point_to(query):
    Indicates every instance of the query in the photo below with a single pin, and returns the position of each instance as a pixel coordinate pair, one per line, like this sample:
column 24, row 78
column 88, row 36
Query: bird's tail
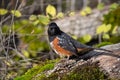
column 104, row 50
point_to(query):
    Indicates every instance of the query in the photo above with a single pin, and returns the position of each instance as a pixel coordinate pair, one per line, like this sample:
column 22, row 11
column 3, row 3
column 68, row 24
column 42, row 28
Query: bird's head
column 53, row 29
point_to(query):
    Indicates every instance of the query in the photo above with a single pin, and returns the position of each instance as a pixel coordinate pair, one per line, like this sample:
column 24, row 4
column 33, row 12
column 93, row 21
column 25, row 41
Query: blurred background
column 23, row 25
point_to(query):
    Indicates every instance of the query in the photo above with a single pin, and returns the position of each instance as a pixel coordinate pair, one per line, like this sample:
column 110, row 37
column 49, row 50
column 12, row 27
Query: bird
column 64, row 45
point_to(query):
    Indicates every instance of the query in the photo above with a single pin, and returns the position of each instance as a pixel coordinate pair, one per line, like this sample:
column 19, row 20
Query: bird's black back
column 71, row 44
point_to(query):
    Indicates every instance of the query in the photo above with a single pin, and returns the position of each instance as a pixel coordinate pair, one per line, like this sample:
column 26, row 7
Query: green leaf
column 60, row 15
column 114, row 6
column 23, row 22
column 114, row 31
column 87, row 38
column 106, row 36
column 103, row 44
column 3, row 11
column 100, row 29
column 36, row 22
column 100, row 6
column 85, row 11
column 43, row 19
column 107, row 28
column 88, row 10
column 16, row 13
column 103, row 28
column 33, row 17
column 25, row 53
column 50, row 11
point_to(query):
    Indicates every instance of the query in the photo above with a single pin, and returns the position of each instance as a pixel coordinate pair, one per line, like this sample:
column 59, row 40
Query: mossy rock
column 87, row 72
column 84, row 72
column 31, row 73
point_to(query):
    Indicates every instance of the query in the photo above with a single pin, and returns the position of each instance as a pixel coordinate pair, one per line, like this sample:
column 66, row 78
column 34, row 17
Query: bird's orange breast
column 58, row 49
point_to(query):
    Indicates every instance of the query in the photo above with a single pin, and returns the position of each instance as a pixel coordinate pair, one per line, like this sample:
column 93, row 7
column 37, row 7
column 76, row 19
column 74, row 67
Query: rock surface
column 81, row 25
column 109, row 63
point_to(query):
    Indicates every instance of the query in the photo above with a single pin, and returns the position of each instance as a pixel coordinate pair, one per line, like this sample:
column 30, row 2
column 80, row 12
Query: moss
column 87, row 72
column 31, row 73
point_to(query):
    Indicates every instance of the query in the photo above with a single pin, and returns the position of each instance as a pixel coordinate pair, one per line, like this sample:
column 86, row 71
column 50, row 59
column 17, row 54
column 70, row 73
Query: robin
column 64, row 45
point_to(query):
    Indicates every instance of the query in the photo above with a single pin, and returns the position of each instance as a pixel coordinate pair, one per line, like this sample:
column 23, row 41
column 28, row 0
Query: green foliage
column 33, row 17
column 107, row 40
column 103, row 28
column 100, row 6
column 43, row 19
column 108, row 29
column 106, row 36
column 51, row 11
column 25, row 53
column 113, row 17
column 114, row 6
column 86, row 38
column 16, row 13
column 31, row 34
column 86, row 11
column 31, row 73
column 115, row 39
column 103, row 44
column 39, row 19
column 60, row 15
column 114, row 31
column 3, row 11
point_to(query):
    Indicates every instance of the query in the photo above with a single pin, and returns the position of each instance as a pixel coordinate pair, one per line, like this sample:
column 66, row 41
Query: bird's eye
column 51, row 28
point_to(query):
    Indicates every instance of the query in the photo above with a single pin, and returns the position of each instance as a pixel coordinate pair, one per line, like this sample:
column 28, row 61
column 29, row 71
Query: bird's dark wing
column 65, row 43
column 73, row 45
column 81, row 48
